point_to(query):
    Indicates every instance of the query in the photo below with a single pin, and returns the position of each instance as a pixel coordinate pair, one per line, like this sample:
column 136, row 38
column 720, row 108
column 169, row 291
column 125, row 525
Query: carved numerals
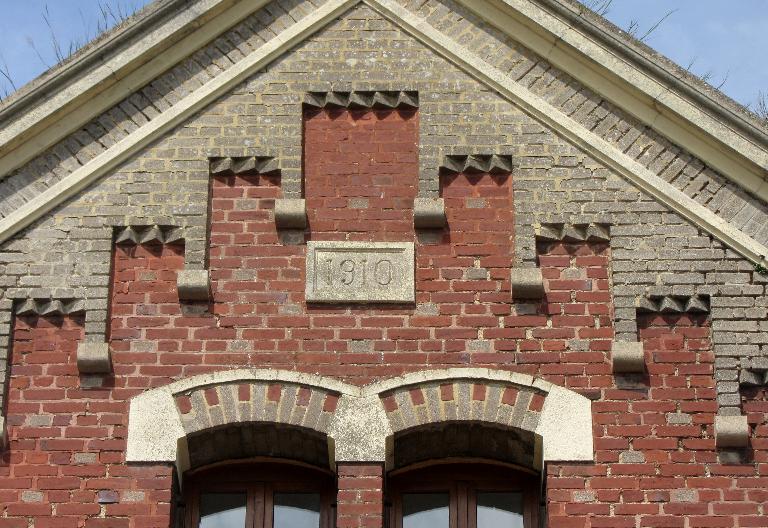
column 360, row 272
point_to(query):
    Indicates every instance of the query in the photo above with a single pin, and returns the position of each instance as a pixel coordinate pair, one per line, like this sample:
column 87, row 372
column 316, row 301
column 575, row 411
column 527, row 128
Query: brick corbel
column 193, row 284
column 754, row 372
column 50, row 306
column 673, row 304
column 476, row 163
column 290, row 211
column 364, row 99
column 577, row 232
column 93, row 357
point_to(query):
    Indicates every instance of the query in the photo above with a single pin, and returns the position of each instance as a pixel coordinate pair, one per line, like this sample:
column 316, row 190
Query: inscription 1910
column 364, row 272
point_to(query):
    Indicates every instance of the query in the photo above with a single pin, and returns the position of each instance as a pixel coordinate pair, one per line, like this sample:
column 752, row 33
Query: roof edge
column 651, row 61
column 84, row 58
column 569, row 42
column 108, row 72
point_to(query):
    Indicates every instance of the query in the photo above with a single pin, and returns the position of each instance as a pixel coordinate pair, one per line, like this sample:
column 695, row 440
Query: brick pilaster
column 360, row 500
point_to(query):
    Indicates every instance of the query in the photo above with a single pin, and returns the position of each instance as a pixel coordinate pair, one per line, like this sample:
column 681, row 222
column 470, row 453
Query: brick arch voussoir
column 559, row 418
column 479, row 401
column 280, row 402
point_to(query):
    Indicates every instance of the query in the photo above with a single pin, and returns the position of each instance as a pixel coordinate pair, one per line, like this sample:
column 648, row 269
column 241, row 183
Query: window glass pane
column 499, row 510
column 426, row 510
column 297, row 510
column 222, row 510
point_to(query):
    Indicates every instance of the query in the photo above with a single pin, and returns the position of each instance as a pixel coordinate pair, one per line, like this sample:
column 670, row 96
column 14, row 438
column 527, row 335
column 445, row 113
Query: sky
column 713, row 36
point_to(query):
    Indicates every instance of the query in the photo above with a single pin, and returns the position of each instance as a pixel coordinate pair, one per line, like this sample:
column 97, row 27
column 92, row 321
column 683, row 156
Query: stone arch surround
column 360, row 423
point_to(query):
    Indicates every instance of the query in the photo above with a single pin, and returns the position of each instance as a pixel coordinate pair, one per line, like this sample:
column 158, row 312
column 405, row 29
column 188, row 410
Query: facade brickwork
column 608, row 254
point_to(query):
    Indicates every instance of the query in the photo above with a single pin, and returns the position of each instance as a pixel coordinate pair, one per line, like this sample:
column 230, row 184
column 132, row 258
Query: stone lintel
column 94, row 358
column 628, row 357
column 193, row 285
column 291, row 213
column 731, row 431
column 527, row 283
column 429, row 213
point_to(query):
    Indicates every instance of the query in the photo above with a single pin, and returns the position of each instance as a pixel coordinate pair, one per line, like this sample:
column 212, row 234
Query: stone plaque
column 360, row 272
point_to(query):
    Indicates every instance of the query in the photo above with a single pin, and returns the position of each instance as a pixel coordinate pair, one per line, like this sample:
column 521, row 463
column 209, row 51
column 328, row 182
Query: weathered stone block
column 291, row 213
column 3, row 434
column 731, row 431
column 628, row 357
column 527, row 283
column 429, row 213
column 193, row 285
column 360, row 272
column 94, row 358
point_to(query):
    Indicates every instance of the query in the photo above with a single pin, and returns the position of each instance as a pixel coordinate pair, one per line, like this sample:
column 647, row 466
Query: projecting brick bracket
column 291, row 213
column 577, row 232
column 527, row 284
column 731, row 431
column 193, row 285
column 673, row 304
column 94, row 358
column 628, row 357
column 476, row 163
column 429, row 213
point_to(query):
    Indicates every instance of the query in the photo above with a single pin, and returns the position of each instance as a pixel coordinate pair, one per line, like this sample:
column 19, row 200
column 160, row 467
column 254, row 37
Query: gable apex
column 446, row 47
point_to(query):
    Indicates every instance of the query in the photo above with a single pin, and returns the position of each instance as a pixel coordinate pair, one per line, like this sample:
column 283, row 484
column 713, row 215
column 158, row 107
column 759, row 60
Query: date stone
column 360, row 272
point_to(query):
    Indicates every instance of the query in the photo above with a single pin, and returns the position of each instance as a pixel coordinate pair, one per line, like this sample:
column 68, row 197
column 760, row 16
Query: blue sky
column 718, row 37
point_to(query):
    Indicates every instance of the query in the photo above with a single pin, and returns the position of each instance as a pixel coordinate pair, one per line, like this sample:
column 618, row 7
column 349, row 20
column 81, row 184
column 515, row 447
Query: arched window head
column 259, row 495
column 463, row 495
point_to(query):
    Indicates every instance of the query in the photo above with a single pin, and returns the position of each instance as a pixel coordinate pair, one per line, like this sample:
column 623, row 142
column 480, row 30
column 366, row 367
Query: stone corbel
column 429, row 213
column 731, row 431
column 193, row 285
column 291, row 213
column 94, row 358
column 3, row 434
column 527, row 284
column 628, row 357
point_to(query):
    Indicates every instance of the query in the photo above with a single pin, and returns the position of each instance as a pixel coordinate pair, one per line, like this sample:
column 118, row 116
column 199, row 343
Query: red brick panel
column 149, row 339
column 656, row 463
column 361, row 174
column 65, row 464
column 360, row 499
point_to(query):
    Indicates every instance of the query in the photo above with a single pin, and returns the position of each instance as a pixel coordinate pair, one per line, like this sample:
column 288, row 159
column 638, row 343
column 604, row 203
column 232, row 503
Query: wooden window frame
column 462, row 482
column 260, row 482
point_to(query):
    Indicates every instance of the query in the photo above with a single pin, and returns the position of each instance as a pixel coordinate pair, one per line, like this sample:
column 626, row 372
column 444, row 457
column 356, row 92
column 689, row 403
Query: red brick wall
column 65, row 465
column 464, row 318
column 360, row 501
column 361, row 172
column 672, row 477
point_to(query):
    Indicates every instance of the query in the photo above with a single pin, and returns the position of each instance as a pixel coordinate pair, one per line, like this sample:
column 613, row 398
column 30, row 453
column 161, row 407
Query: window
column 260, row 496
column 463, row 496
